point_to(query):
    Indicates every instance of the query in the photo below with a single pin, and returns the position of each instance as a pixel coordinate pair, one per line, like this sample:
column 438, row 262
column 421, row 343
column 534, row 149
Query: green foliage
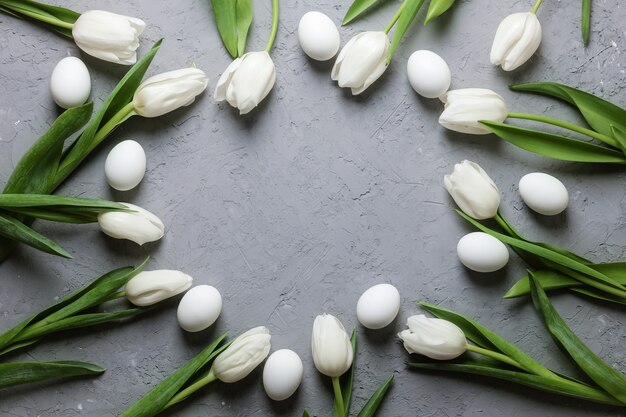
column 233, row 19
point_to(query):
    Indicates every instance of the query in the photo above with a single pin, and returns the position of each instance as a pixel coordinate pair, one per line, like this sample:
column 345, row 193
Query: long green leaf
column 586, row 21
column 46, row 200
column 620, row 137
column 554, row 146
column 599, row 114
column 27, row 8
column 436, row 8
column 599, row 371
column 233, row 18
column 244, row 19
column 598, row 295
column 13, row 229
column 17, row 373
column 155, row 400
column 409, row 12
column 358, row 8
column 374, row 402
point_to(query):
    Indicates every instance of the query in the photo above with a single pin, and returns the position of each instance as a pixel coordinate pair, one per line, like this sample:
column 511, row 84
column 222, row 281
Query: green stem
column 395, row 17
column 495, row 355
column 338, row 395
column 270, row 41
column 210, row 377
column 536, row 6
column 566, row 125
column 46, row 19
column 592, row 282
column 504, row 224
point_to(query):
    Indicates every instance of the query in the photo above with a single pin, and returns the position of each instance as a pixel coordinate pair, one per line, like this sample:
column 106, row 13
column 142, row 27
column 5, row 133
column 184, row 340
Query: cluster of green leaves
column 347, row 381
column 72, row 312
column 56, row 18
column 606, row 120
column 604, row 385
column 233, row 19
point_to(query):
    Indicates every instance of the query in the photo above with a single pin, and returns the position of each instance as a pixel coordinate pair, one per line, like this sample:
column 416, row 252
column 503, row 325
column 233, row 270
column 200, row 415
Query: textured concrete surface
column 298, row 208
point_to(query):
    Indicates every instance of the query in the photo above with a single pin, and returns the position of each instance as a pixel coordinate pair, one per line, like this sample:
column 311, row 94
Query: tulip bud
column 169, row 91
column 438, row 339
column 465, row 107
column 516, row 40
column 150, row 287
column 246, row 81
column 108, row 36
column 243, row 355
column 362, row 61
column 331, row 346
column 473, row 191
column 138, row 225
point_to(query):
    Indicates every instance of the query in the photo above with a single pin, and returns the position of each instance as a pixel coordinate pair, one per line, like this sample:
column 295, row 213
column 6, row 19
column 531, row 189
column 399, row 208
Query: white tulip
column 465, row 107
column 169, row 91
column 108, row 36
column 150, row 287
column 246, row 81
column 362, row 61
column 331, row 346
column 243, row 355
column 138, row 225
column 473, row 190
column 438, row 339
column 516, row 40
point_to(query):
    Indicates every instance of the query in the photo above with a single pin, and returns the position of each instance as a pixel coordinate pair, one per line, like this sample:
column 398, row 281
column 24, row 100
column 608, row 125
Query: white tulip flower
column 150, row 287
column 464, row 109
column 438, row 339
column 331, row 346
column 138, row 225
column 516, row 40
column 473, row 190
column 243, row 355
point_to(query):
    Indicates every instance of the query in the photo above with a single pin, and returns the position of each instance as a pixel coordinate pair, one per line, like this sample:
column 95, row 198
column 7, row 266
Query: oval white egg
column 70, row 83
column 543, row 193
column 199, row 308
column 428, row 74
column 282, row 374
column 378, row 306
column 125, row 165
column 481, row 252
column 318, row 36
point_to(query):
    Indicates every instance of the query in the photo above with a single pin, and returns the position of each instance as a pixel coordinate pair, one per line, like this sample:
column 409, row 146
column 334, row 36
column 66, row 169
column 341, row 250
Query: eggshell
column 481, row 252
column 70, row 83
column 282, row 374
column 428, row 74
column 543, row 193
column 318, row 36
column 199, row 308
column 378, row 306
column 125, row 165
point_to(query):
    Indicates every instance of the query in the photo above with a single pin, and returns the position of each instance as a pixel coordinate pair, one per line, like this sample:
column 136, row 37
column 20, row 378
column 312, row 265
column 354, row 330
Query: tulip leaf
column 436, row 8
column 346, row 382
column 244, row 20
column 358, row 8
column 586, row 21
column 599, row 371
column 374, row 402
column 153, row 402
column 408, row 14
column 17, row 373
column 43, row 13
column 233, row 19
column 554, row 146
column 13, row 229
column 598, row 295
column 620, row 137
column 306, row 414
column 599, row 114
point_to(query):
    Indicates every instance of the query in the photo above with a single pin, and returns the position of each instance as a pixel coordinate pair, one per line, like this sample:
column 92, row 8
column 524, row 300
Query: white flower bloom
column 243, row 355
column 140, row 225
column 438, row 339
column 516, row 40
column 150, row 287
column 465, row 107
column 108, row 36
column 473, row 190
column 331, row 346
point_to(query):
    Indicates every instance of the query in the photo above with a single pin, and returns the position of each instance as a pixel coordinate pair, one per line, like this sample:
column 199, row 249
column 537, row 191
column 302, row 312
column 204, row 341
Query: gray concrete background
column 296, row 209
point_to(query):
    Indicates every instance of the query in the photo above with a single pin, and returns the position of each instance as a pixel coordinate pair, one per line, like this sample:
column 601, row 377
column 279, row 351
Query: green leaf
column 599, row 295
column 347, row 381
column 487, row 339
column 13, row 229
column 599, row 371
column 233, row 18
column 358, row 8
column 436, row 8
column 17, row 346
column 586, row 21
column 374, row 402
column 26, row 372
column 244, row 19
column 554, row 146
column 306, row 414
column 155, row 400
column 409, row 12
column 620, row 137
column 43, row 13
column 599, row 114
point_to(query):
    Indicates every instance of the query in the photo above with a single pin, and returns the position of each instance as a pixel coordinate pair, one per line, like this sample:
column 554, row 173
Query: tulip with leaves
column 333, row 355
column 478, row 197
column 447, row 338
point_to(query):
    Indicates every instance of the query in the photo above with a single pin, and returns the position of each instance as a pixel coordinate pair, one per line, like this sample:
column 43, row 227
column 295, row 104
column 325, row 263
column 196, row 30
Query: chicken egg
column 199, row 308
column 282, row 374
column 70, row 83
column 428, row 74
column 481, row 252
column 125, row 165
column 543, row 193
column 378, row 306
column 318, row 36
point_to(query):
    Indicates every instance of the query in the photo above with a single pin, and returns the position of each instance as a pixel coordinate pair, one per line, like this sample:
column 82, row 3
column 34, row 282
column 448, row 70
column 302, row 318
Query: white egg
column 318, row 36
column 428, row 73
column 282, row 374
column 199, row 308
column 481, row 252
column 543, row 193
column 70, row 83
column 378, row 306
column 125, row 165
